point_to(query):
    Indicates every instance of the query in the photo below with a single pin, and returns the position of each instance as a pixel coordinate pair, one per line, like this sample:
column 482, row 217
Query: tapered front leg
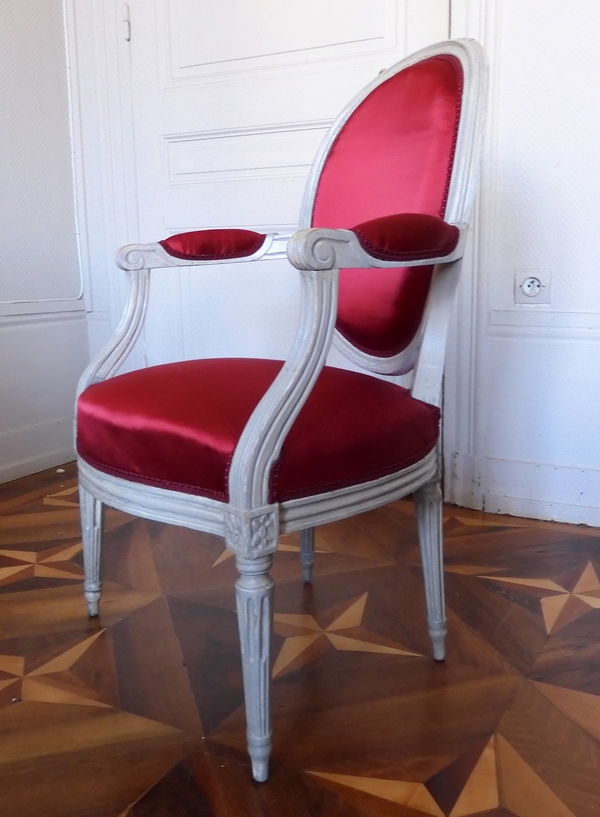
column 92, row 518
column 307, row 553
column 428, row 501
column 254, row 590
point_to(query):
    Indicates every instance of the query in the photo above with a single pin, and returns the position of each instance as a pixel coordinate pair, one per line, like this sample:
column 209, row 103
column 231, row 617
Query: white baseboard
column 26, row 451
column 532, row 490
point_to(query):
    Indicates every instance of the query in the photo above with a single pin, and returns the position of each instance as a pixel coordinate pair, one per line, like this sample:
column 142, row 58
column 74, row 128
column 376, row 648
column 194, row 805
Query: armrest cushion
column 213, row 245
column 407, row 237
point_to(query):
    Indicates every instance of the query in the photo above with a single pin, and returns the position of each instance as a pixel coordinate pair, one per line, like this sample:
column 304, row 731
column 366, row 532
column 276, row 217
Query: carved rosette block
column 92, row 517
column 254, row 590
column 250, row 534
column 428, row 501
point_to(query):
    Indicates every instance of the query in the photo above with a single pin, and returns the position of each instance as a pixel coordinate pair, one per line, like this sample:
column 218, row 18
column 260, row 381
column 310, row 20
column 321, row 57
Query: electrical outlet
column 532, row 286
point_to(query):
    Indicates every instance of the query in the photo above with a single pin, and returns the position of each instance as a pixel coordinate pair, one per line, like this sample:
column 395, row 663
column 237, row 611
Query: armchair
column 248, row 449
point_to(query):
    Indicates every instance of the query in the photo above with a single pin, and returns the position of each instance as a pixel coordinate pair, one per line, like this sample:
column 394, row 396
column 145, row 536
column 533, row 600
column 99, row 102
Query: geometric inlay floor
column 139, row 713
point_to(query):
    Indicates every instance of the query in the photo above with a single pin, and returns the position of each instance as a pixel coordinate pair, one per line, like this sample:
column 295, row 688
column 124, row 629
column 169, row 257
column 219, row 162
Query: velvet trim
column 407, row 237
column 213, row 245
column 176, row 426
column 393, row 155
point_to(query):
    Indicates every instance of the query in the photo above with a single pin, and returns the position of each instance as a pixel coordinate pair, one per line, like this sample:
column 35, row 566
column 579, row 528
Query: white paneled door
column 230, row 102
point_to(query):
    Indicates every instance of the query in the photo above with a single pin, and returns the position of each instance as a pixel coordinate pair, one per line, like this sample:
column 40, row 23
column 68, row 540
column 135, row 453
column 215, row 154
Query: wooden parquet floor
column 139, row 713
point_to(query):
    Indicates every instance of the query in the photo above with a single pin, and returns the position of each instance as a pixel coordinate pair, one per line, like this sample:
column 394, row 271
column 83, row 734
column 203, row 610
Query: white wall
column 43, row 339
column 523, row 435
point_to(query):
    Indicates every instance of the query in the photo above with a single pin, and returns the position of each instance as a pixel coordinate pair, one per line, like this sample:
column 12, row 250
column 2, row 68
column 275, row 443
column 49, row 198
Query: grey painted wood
column 92, row 518
column 307, row 553
column 428, row 502
column 254, row 594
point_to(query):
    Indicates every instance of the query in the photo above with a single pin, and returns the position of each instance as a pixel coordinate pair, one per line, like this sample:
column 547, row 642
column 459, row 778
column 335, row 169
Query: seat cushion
column 176, row 426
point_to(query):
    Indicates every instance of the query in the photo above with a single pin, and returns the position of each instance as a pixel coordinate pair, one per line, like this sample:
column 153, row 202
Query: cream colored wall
column 43, row 339
column 523, row 430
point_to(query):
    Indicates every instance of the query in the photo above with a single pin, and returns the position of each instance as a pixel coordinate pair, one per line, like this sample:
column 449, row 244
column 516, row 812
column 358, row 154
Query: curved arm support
column 106, row 364
column 137, row 260
column 261, row 440
column 319, row 249
column 429, row 368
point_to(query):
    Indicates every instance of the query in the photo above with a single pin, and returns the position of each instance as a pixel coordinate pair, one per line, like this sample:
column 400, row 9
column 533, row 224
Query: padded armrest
column 404, row 239
column 407, row 237
column 214, row 245
column 199, row 247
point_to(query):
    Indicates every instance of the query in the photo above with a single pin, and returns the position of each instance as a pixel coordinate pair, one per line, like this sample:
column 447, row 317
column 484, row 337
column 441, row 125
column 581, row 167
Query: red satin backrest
column 393, row 155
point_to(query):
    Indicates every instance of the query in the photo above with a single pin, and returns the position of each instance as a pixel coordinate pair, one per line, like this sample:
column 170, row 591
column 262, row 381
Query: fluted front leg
column 92, row 517
column 428, row 501
column 254, row 590
column 307, row 553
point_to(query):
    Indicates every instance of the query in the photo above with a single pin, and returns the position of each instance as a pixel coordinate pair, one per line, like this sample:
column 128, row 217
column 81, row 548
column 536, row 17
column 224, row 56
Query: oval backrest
column 393, row 153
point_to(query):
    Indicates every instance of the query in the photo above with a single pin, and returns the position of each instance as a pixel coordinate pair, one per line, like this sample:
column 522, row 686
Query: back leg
column 428, row 501
column 307, row 553
column 92, row 518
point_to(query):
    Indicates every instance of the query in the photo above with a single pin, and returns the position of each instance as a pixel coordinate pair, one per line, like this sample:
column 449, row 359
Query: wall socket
column 532, row 286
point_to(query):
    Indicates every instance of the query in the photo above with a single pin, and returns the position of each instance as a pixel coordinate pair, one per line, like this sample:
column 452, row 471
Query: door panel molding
column 295, row 33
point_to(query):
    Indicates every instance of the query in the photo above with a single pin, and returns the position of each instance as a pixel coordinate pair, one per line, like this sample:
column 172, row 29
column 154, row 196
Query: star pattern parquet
column 140, row 712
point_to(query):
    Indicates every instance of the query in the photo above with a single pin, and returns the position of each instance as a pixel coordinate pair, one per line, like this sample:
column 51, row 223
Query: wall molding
column 282, row 127
column 57, row 306
column 529, row 318
column 353, row 47
column 471, row 18
column 274, row 151
column 25, row 451
column 563, row 493
column 99, row 62
column 37, row 318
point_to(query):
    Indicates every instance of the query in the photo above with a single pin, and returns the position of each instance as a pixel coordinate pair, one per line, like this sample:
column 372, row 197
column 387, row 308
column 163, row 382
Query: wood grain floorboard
column 140, row 713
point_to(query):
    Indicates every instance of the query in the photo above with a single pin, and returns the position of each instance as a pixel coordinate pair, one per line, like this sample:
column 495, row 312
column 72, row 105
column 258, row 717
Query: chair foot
column 92, row 595
column 259, row 755
column 437, row 633
column 307, row 553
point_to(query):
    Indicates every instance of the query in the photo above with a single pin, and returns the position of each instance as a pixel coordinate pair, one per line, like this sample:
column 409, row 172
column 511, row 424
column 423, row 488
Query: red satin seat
column 176, row 426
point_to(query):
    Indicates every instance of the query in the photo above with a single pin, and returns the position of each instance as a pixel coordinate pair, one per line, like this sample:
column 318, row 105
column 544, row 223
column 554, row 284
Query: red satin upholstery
column 394, row 155
column 176, row 426
column 213, row 245
column 407, row 237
